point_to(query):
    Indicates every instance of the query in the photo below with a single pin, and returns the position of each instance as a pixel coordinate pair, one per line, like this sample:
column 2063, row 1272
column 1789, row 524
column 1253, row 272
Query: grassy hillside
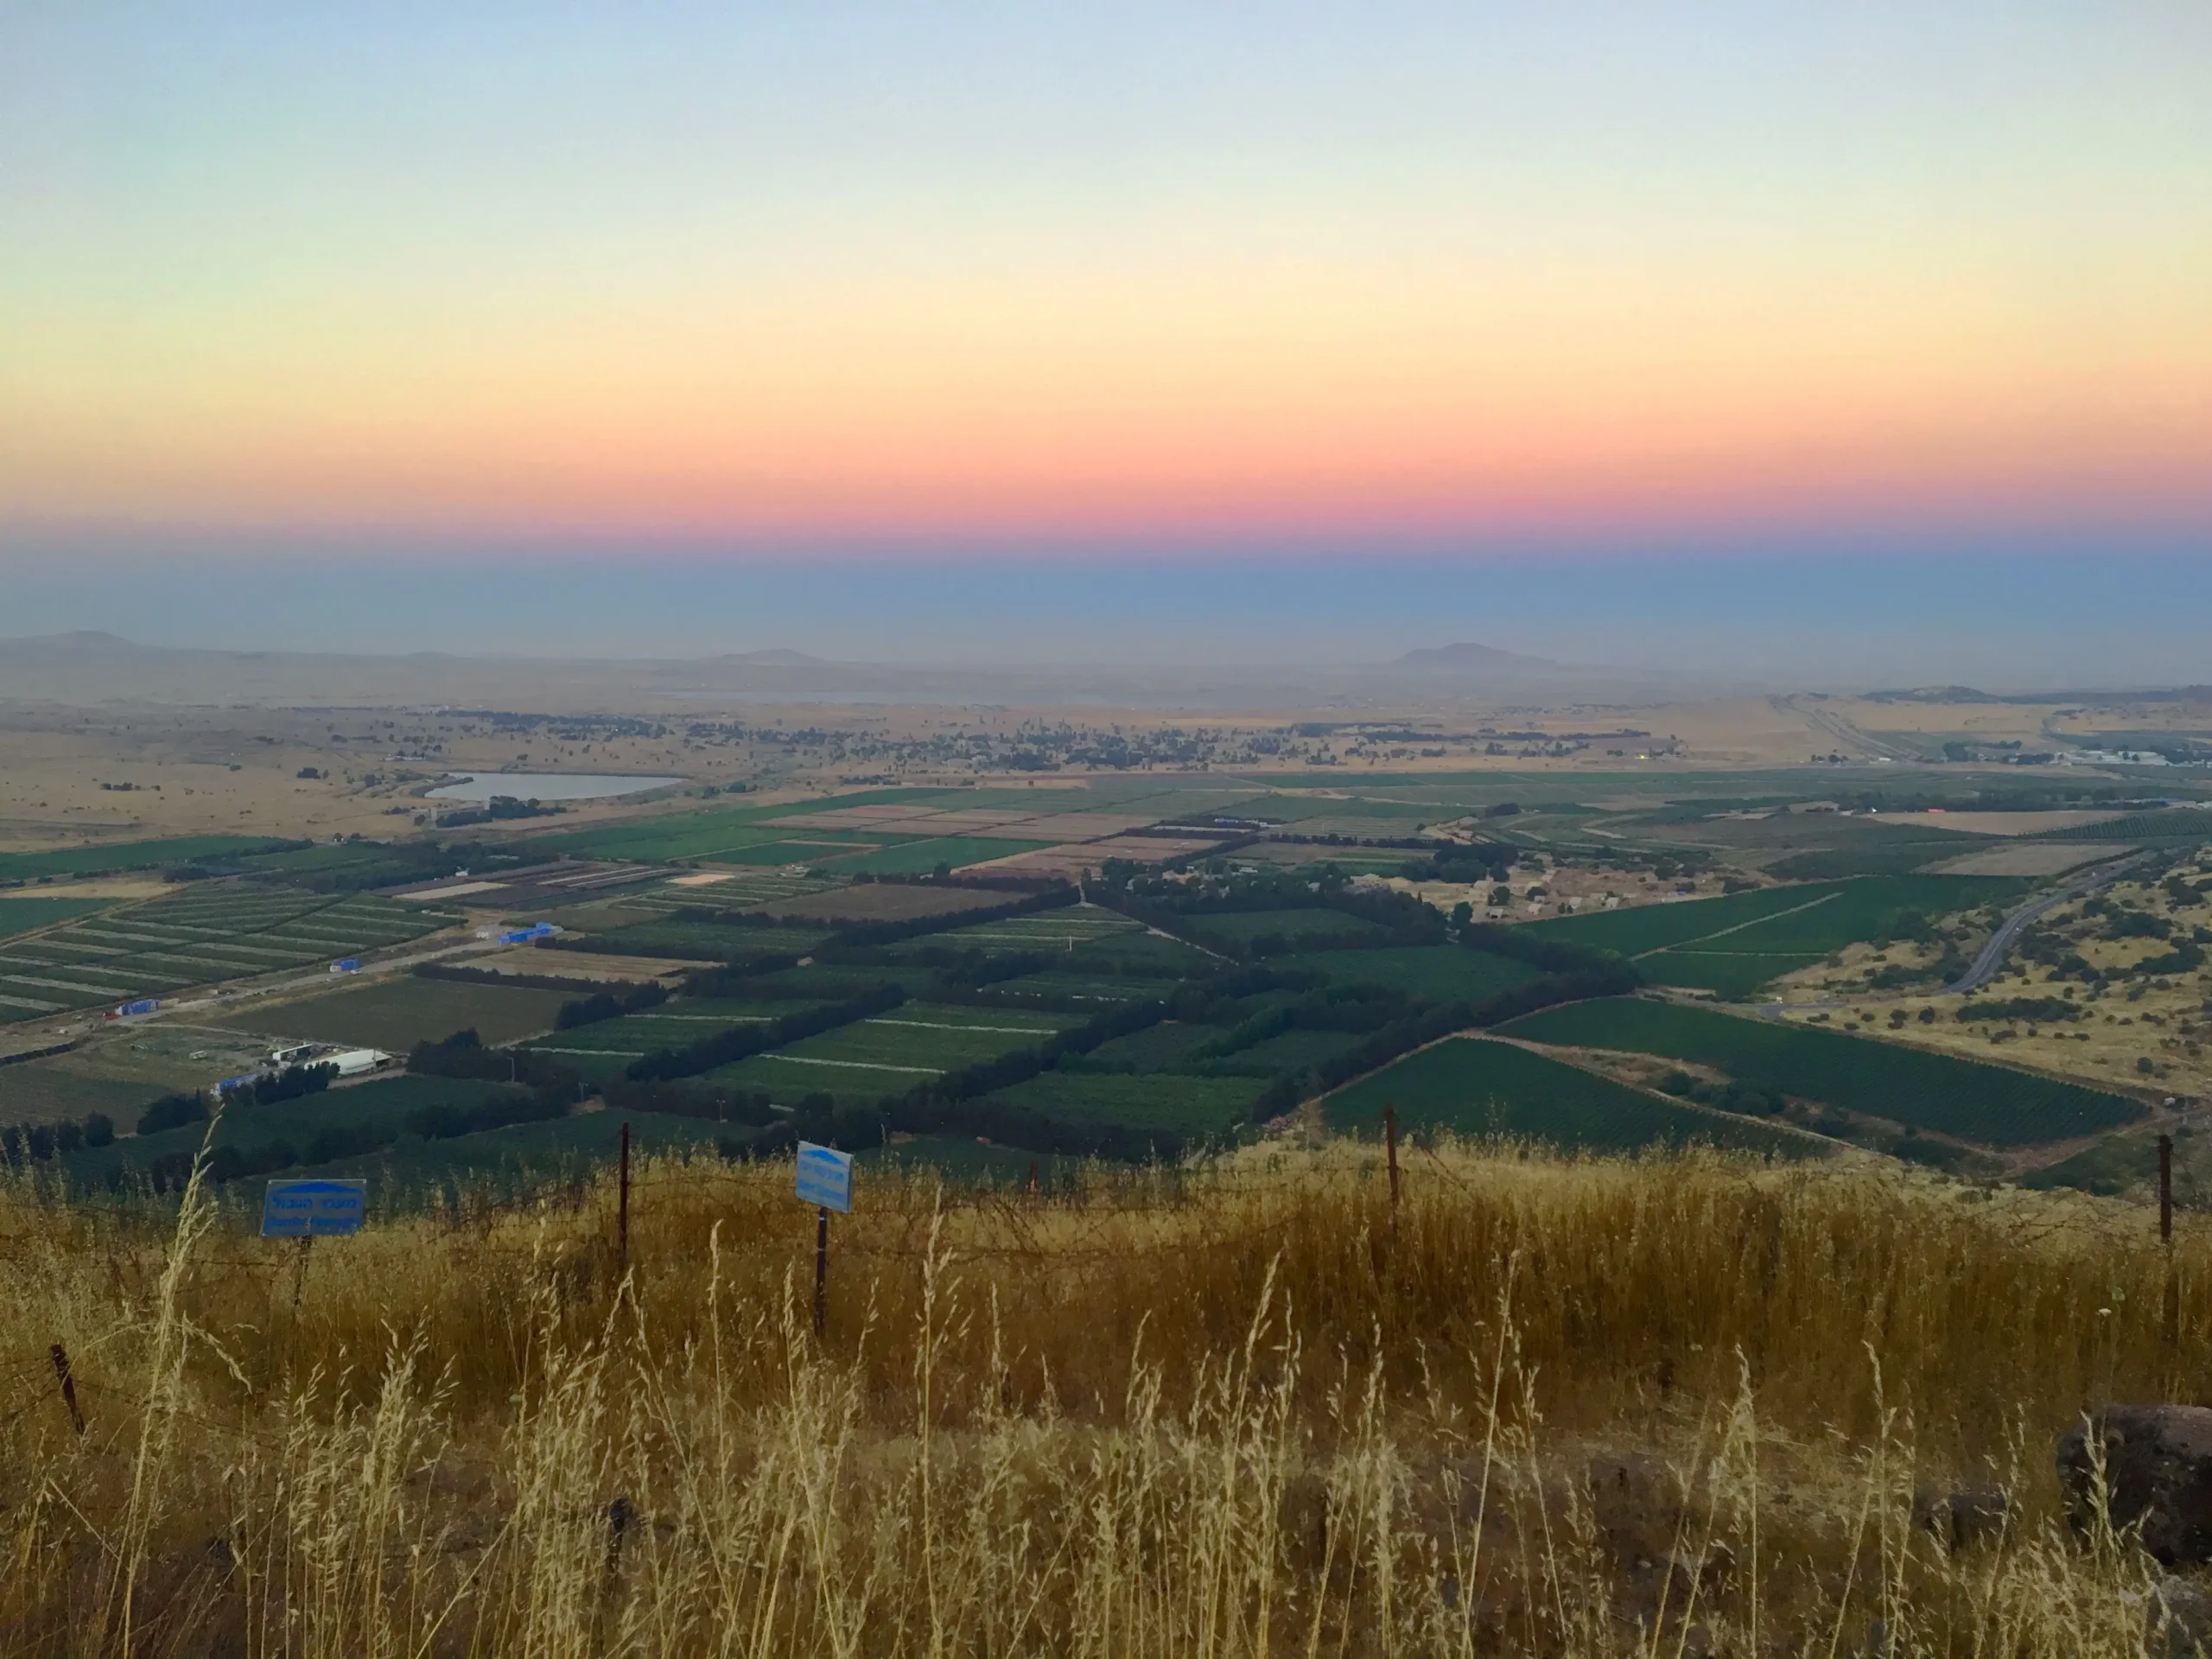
column 1535, row 1406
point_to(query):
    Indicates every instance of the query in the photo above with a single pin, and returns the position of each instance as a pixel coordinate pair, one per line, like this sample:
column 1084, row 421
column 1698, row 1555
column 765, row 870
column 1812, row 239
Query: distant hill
column 96, row 667
column 1934, row 694
column 1468, row 660
column 773, row 658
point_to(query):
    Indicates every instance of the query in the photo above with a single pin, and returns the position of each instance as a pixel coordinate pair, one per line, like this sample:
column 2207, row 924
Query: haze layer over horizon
column 1039, row 279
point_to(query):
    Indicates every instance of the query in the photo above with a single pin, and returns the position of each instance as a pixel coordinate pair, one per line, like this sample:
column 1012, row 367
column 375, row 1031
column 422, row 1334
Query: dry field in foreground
column 1673, row 1406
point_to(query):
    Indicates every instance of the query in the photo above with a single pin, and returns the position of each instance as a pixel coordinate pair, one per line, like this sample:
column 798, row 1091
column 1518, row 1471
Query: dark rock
column 2157, row 1462
column 2181, row 1619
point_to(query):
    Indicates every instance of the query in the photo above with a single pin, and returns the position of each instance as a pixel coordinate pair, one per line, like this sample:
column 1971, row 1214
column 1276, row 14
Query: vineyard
column 1475, row 1087
column 1992, row 1105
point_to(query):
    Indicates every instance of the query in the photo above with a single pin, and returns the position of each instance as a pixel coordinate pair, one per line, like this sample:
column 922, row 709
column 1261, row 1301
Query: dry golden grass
column 1671, row 1406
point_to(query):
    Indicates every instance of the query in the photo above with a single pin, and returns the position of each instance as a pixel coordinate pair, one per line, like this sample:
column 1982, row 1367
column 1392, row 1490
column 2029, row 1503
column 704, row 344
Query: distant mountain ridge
column 94, row 667
column 1467, row 657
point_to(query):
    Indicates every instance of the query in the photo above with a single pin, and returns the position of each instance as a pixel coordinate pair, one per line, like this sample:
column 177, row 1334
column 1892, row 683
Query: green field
column 1993, row 1105
column 1472, row 1086
column 2110, row 1168
column 19, row 915
column 705, row 940
column 128, row 855
column 379, row 1105
column 396, row 1011
column 1045, row 930
column 710, row 834
column 961, row 1159
column 1087, row 988
column 1164, row 1047
column 1172, row 1102
column 606, row 1048
column 1241, row 927
column 892, row 1052
column 2180, row 824
column 743, row 889
column 1136, row 954
column 1287, row 1052
column 200, row 939
column 520, row 1153
column 49, row 1092
column 1441, row 973
column 1644, row 928
column 920, row 857
column 1732, row 975
column 1734, row 945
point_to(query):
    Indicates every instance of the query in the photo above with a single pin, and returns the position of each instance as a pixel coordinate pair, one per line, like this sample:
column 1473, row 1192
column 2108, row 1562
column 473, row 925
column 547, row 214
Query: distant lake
column 481, row 786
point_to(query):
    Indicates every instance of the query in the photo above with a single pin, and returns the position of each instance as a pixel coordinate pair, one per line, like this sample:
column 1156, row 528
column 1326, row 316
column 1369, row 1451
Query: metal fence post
column 821, row 1268
column 622, row 1210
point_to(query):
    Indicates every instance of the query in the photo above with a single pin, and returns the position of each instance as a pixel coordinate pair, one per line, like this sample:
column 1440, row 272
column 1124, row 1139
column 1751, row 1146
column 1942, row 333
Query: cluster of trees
column 609, row 1005
column 292, row 1082
column 2050, row 948
column 1181, row 912
column 23, row 1143
column 2031, row 1010
column 1730, row 1096
column 498, row 809
column 742, row 1042
column 460, row 975
column 463, row 1055
column 1470, row 863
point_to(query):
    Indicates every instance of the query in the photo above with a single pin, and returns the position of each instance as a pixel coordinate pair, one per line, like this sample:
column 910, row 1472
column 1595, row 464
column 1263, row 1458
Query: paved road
column 1990, row 960
column 1835, row 727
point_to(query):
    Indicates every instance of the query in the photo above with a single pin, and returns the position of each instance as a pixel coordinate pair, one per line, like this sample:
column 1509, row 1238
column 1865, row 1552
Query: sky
column 761, row 325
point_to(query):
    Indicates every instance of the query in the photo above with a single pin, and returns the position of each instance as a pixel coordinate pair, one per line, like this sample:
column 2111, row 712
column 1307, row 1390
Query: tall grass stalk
column 1662, row 1408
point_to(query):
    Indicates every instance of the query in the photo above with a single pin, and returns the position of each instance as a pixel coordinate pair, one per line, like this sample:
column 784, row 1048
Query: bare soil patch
column 584, row 964
column 2002, row 824
column 2028, row 858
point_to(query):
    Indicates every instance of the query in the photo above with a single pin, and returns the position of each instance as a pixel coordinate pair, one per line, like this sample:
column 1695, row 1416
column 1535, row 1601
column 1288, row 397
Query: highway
column 1846, row 735
column 1991, row 960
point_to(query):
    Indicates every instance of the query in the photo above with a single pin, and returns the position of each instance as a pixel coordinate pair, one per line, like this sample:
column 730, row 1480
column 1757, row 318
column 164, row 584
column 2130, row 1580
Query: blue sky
column 1870, row 337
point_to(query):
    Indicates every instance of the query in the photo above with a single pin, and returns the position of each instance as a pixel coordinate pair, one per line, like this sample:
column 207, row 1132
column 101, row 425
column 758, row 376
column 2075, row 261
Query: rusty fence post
column 2166, row 1188
column 68, row 1385
column 821, row 1268
column 622, row 1208
column 1391, row 1147
column 2172, row 1330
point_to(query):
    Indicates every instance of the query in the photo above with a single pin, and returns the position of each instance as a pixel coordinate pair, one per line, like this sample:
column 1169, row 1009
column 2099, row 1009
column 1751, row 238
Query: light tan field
column 2002, row 824
column 2026, row 858
column 586, row 965
column 1988, row 722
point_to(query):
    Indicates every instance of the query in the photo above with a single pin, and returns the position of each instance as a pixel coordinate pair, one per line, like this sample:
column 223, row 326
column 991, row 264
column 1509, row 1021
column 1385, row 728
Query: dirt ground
column 2024, row 858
